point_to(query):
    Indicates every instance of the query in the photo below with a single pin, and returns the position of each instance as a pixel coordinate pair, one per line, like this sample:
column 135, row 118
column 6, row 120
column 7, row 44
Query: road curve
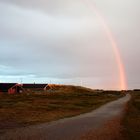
column 70, row 128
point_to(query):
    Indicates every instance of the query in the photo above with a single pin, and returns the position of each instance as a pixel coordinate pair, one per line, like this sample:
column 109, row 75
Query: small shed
column 10, row 88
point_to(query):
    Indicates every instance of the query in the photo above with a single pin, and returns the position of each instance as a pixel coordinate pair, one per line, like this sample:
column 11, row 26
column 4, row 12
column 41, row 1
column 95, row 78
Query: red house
column 10, row 88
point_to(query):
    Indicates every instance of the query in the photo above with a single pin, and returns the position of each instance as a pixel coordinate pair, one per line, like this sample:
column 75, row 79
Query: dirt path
column 70, row 128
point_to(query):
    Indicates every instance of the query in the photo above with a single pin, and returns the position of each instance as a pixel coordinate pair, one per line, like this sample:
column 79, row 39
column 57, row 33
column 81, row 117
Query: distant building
column 10, row 88
column 13, row 88
column 35, row 87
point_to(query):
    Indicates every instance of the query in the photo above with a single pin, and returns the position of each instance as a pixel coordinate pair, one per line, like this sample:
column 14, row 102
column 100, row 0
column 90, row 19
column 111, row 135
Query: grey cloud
column 64, row 40
column 71, row 8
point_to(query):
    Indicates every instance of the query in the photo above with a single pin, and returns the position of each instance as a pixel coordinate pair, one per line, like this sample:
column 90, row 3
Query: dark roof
column 5, row 86
column 30, row 86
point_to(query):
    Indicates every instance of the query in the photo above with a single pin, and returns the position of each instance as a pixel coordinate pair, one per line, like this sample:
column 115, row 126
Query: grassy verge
column 65, row 101
column 131, row 121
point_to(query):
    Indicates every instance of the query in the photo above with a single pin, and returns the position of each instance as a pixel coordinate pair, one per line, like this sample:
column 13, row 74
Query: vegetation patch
column 62, row 101
column 131, row 121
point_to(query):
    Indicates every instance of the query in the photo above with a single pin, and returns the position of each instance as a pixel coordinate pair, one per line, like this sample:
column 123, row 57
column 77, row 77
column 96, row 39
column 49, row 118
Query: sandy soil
column 74, row 128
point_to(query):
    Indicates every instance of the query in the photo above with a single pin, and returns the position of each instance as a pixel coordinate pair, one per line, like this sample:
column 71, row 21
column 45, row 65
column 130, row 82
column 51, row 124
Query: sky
column 63, row 42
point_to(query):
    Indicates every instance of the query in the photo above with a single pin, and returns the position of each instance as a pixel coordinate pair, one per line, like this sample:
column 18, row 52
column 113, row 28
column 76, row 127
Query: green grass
column 60, row 102
column 131, row 121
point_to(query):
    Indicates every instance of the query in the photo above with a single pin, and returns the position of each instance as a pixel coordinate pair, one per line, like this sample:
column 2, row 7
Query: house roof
column 5, row 86
column 30, row 86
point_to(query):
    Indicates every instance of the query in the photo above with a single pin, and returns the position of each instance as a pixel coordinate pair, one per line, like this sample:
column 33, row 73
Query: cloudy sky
column 62, row 41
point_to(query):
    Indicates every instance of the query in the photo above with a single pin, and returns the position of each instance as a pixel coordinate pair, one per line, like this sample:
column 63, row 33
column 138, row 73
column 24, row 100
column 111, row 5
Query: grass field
column 131, row 121
column 62, row 101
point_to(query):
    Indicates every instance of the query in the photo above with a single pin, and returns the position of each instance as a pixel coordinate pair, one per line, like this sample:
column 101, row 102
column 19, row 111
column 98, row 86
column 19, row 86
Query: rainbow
column 113, row 42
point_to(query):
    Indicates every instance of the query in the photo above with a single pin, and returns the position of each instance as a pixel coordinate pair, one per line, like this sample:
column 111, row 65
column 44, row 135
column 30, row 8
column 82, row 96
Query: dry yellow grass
column 131, row 120
column 60, row 102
